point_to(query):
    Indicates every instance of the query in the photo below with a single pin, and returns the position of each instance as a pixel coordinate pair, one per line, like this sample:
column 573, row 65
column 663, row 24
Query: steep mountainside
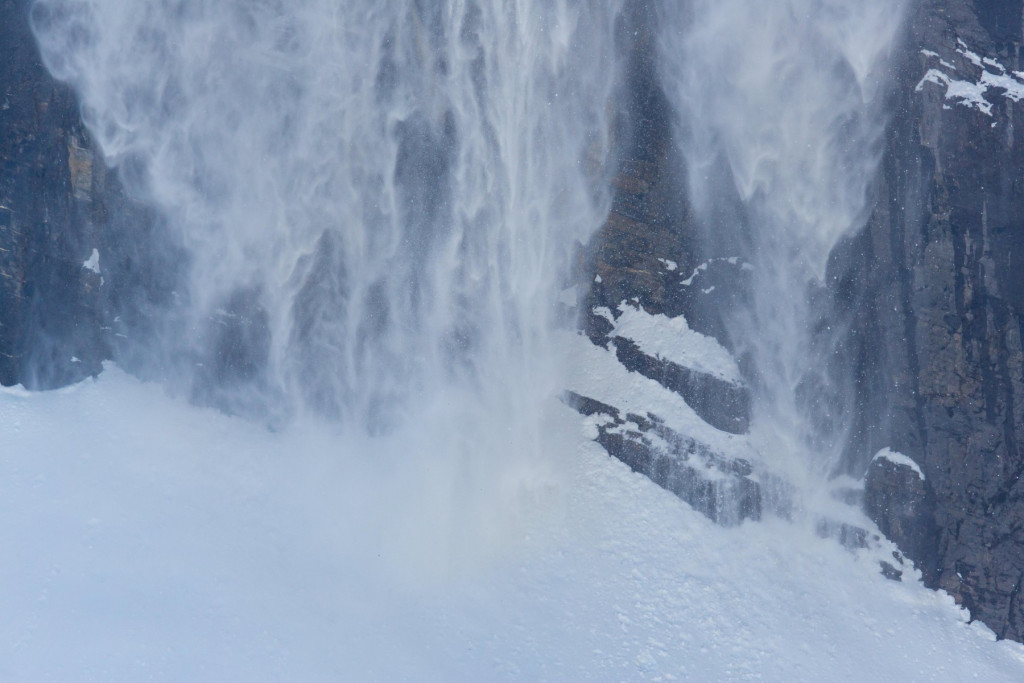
column 932, row 291
column 937, row 286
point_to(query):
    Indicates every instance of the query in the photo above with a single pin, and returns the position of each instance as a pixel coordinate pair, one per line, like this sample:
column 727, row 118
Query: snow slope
column 146, row 539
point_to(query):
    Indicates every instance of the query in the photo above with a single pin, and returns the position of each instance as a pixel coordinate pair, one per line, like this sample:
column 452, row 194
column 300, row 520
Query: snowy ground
column 144, row 539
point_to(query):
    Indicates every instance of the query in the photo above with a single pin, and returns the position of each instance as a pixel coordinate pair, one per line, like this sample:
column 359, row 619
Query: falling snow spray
column 780, row 111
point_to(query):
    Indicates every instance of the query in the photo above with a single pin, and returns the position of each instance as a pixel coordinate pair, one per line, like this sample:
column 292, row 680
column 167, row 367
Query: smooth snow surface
column 145, row 539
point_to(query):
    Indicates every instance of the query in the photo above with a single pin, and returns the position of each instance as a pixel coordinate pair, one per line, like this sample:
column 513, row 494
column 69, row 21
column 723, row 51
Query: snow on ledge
column 898, row 459
column 672, row 339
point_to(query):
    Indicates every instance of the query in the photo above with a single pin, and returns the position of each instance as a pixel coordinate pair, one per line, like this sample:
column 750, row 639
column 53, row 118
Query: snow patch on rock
column 971, row 92
column 898, row 459
column 597, row 373
column 731, row 260
column 672, row 339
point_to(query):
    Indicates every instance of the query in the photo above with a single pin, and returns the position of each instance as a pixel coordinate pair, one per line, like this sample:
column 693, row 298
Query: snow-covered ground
column 146, row 539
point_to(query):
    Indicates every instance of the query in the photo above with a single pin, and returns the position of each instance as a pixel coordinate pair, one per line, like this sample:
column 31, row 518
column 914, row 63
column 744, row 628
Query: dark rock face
column 644, row 257
column 938, row 322
column 890, row 572
column 646, row 228
column 932, row 290
column 58, row 203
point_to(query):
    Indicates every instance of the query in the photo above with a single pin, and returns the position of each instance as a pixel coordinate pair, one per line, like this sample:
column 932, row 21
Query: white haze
column 379, row 197
column 780, row 111
column 380, row 200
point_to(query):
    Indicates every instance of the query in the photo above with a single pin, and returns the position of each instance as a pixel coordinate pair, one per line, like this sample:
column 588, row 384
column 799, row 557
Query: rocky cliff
column 47, row 182
column 931, row 292
column 81, row 262
column 937, row 286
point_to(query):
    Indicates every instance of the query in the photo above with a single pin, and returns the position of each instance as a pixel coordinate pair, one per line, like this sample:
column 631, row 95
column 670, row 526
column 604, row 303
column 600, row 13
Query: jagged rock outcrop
column 932, row 291
column 936, row 287
column 723, row 405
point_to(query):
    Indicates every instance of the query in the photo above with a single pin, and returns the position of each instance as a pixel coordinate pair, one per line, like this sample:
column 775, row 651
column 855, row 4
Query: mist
column 378, row 201
column 780, row 116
